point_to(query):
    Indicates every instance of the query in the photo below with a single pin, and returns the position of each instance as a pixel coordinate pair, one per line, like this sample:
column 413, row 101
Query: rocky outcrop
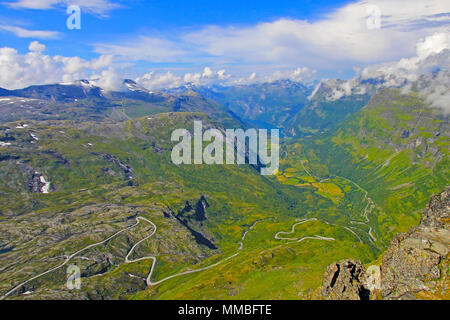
column 126, row 170
column 343, row 280
column 415, row 260
column 197, row 212
column 414, row 266
column 437, row 213
column 192, row 218
column 200, row 209
column 37, row 183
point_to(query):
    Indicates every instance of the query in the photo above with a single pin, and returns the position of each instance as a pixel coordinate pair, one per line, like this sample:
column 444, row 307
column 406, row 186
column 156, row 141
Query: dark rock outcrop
column 192, row 217
column 343, row 280
column 200, row 209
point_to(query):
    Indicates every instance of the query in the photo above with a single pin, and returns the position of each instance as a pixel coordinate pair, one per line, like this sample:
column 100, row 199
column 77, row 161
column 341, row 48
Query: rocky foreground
column 415, row 266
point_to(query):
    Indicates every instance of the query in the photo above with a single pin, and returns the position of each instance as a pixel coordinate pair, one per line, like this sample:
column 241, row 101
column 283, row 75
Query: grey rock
column 437, row 211
column 344, row 281
column 413, row 260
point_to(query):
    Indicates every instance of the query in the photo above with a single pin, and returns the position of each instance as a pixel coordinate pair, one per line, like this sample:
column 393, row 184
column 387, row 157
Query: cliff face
column 414, row 266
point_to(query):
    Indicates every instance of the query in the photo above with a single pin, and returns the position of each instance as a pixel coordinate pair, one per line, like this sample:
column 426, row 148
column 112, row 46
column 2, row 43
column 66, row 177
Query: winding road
column 149, row 282
column 315, row 237
column 68, row 258
column 367, row 210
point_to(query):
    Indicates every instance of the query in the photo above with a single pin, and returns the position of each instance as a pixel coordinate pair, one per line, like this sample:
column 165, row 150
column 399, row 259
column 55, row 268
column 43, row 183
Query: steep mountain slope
column 68, row 186
column 414, row 266
column 102, row 192
column 330, row 103
column 76, row 192
column 393, row 152
column 333, row 101
column 378, row 169
column 268, row 104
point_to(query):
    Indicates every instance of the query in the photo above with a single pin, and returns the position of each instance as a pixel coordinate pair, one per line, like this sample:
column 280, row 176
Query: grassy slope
column 85, row 185
column 368, row 149
column 396, row 148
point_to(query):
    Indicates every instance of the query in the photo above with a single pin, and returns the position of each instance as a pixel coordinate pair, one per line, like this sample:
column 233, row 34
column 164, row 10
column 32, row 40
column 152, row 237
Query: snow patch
column 315, row 91
column 46, row 185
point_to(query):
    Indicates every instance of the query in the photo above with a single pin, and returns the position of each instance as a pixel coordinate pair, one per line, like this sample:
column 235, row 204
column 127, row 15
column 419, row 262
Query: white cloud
column 20, row 70
column 252, row 53
column 74, row 65
column 152, row 80
column 144, row 48
column 428, row 72
column 340, row 37
column 207, row 72
column 437, row 93
column 410, row 69
column 32, row 4
column 25, row 33
column 299, row 74
column 433, row 44
column 36, row 46
column 109, row 79
column 208, row 76
column 100, row 7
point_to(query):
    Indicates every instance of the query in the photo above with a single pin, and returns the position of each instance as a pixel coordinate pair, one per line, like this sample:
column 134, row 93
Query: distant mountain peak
column 133, row 86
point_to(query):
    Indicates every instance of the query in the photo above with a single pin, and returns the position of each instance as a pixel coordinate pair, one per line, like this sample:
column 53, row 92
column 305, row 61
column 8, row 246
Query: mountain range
column 88, row 181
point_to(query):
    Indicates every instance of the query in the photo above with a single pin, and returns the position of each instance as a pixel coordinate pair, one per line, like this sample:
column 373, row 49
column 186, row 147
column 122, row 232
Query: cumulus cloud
column 299, row 75
column 433, row 44
column 437, row 93
column 109, row 79
column 341, row 36
column 25, row 33
column 36, row 46
column 153, row 80
column 20, row 70
column 428, row 58
column 208, row 76
column 428, row 72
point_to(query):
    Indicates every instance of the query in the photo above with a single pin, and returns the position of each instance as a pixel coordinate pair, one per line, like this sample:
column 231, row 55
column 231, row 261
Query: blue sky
column 135, row 17
column 270, row 39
